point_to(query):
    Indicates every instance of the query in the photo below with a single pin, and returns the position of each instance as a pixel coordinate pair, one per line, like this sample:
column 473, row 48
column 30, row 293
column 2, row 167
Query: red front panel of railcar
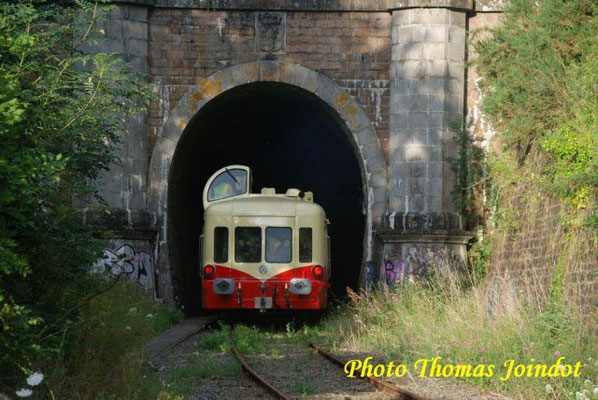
column 252, row 288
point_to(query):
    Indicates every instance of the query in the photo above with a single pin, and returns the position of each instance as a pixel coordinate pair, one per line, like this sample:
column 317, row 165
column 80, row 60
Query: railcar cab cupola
column 230, row 181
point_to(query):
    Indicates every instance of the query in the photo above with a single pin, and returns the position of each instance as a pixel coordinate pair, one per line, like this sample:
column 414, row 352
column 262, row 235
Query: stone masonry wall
column 124, row 186
column 404, row 64
column 410, row 51
column 527, row 255
column 477, row 125
column 352, row 48
column 427, row 73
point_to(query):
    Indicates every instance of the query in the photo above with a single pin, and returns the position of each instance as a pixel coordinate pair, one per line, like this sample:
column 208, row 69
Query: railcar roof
column 264, row 205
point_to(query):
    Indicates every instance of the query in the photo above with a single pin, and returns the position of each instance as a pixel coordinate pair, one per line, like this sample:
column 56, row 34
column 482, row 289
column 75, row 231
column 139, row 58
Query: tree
column 61, row 115
column 539, row 81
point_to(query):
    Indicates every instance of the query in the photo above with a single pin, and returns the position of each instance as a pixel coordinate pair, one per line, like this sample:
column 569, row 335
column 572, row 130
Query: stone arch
column 360, row 132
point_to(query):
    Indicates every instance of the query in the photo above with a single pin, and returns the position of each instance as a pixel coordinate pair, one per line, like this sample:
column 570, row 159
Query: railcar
column 262, row 250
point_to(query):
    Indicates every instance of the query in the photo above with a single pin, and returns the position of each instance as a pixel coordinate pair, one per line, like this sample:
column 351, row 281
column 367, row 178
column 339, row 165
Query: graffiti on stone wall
column 420, row 262
column 394, row 271
column 370, row 273
column 133, row 262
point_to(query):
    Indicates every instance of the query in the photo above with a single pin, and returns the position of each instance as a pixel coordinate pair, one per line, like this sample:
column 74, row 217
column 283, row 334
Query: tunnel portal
column 290, row 139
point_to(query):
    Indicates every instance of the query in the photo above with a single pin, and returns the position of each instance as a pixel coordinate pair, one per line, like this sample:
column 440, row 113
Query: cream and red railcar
column 262, row 250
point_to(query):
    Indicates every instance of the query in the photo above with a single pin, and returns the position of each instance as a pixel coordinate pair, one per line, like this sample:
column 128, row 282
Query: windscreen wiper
column 232, row 176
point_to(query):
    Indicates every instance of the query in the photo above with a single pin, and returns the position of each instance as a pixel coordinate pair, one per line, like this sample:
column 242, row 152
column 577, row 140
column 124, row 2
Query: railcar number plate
column 265, row 302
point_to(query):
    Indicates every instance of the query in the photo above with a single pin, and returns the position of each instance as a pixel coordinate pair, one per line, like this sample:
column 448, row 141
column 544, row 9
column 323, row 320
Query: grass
column 416, row 322
column 302, row 388
column 444, row 320
column 247, row 339
column 402, row 325
column 106, row 361
column 182, row 380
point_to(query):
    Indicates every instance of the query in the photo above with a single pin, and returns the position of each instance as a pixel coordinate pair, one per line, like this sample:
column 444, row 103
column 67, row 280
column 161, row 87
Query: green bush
column 539, row 82
column 61, row 116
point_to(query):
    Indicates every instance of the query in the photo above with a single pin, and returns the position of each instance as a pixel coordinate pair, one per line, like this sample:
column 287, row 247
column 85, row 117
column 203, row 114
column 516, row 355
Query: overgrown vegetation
column 182, row 380
column 440, row 319
column 539, row 74
column 61, row 114
column 467, row 327
column 247, row 339
column 106, row 360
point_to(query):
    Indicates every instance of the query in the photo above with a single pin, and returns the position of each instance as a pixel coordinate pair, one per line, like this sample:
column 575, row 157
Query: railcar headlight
column 317, row 271
column 208, row 271
column 223, row 286
column 300, row 286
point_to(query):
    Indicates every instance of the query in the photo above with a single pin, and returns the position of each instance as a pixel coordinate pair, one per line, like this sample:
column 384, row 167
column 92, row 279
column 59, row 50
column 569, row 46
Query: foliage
column 539, row 79
column 471, row 184
column 182, row 379
column 247, row 339
column 61, row 114
column 466, row 326
column 478, row 256
column 106, row 361
column 469, row 167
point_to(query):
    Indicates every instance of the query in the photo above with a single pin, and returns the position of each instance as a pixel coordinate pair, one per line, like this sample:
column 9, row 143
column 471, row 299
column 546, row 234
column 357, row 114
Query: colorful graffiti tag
column 419, row 263
column 370, row 273
column 127, row 260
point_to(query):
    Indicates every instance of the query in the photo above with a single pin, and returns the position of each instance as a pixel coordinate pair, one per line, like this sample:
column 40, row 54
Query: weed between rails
column 182, row 380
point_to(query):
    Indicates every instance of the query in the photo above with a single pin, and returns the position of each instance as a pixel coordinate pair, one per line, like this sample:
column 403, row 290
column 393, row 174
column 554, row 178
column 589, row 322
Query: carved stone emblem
column 270, row 32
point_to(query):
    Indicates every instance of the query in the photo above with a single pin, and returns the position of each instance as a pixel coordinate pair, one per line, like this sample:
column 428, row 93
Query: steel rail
column 380, row 383
column 277, row 393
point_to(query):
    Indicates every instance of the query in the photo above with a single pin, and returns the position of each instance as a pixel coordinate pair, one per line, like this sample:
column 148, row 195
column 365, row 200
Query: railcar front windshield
column 278, row 245
column 232, row 182
column 248, row 244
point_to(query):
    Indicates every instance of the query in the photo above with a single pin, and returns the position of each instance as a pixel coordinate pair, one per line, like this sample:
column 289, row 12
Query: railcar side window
column 248, row 244
column 232, row 182
column 278, row 245
column 220, row 244
column 305, row 245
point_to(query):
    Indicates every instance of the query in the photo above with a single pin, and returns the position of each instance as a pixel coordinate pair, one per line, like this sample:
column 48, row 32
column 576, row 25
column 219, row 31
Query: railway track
column 287, row 368
column 276, row 384
column 383, row 385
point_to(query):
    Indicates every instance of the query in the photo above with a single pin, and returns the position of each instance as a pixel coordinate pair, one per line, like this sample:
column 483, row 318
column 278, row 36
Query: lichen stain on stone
column 195, row 99
column 284, row 72
column 210, row 87
column 181, row 123
column 341, row 102
column 250, row 73
column 351, row 123
column 345, row 107
column 350, row 110
column 340, row 99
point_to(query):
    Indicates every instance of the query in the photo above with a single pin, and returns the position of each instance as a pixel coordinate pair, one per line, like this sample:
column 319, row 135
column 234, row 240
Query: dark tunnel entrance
column 290, row 139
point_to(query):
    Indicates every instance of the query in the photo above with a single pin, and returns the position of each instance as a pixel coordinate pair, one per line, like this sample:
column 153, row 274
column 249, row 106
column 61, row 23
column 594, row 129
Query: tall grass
column 106, row 361
column 417, row 321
